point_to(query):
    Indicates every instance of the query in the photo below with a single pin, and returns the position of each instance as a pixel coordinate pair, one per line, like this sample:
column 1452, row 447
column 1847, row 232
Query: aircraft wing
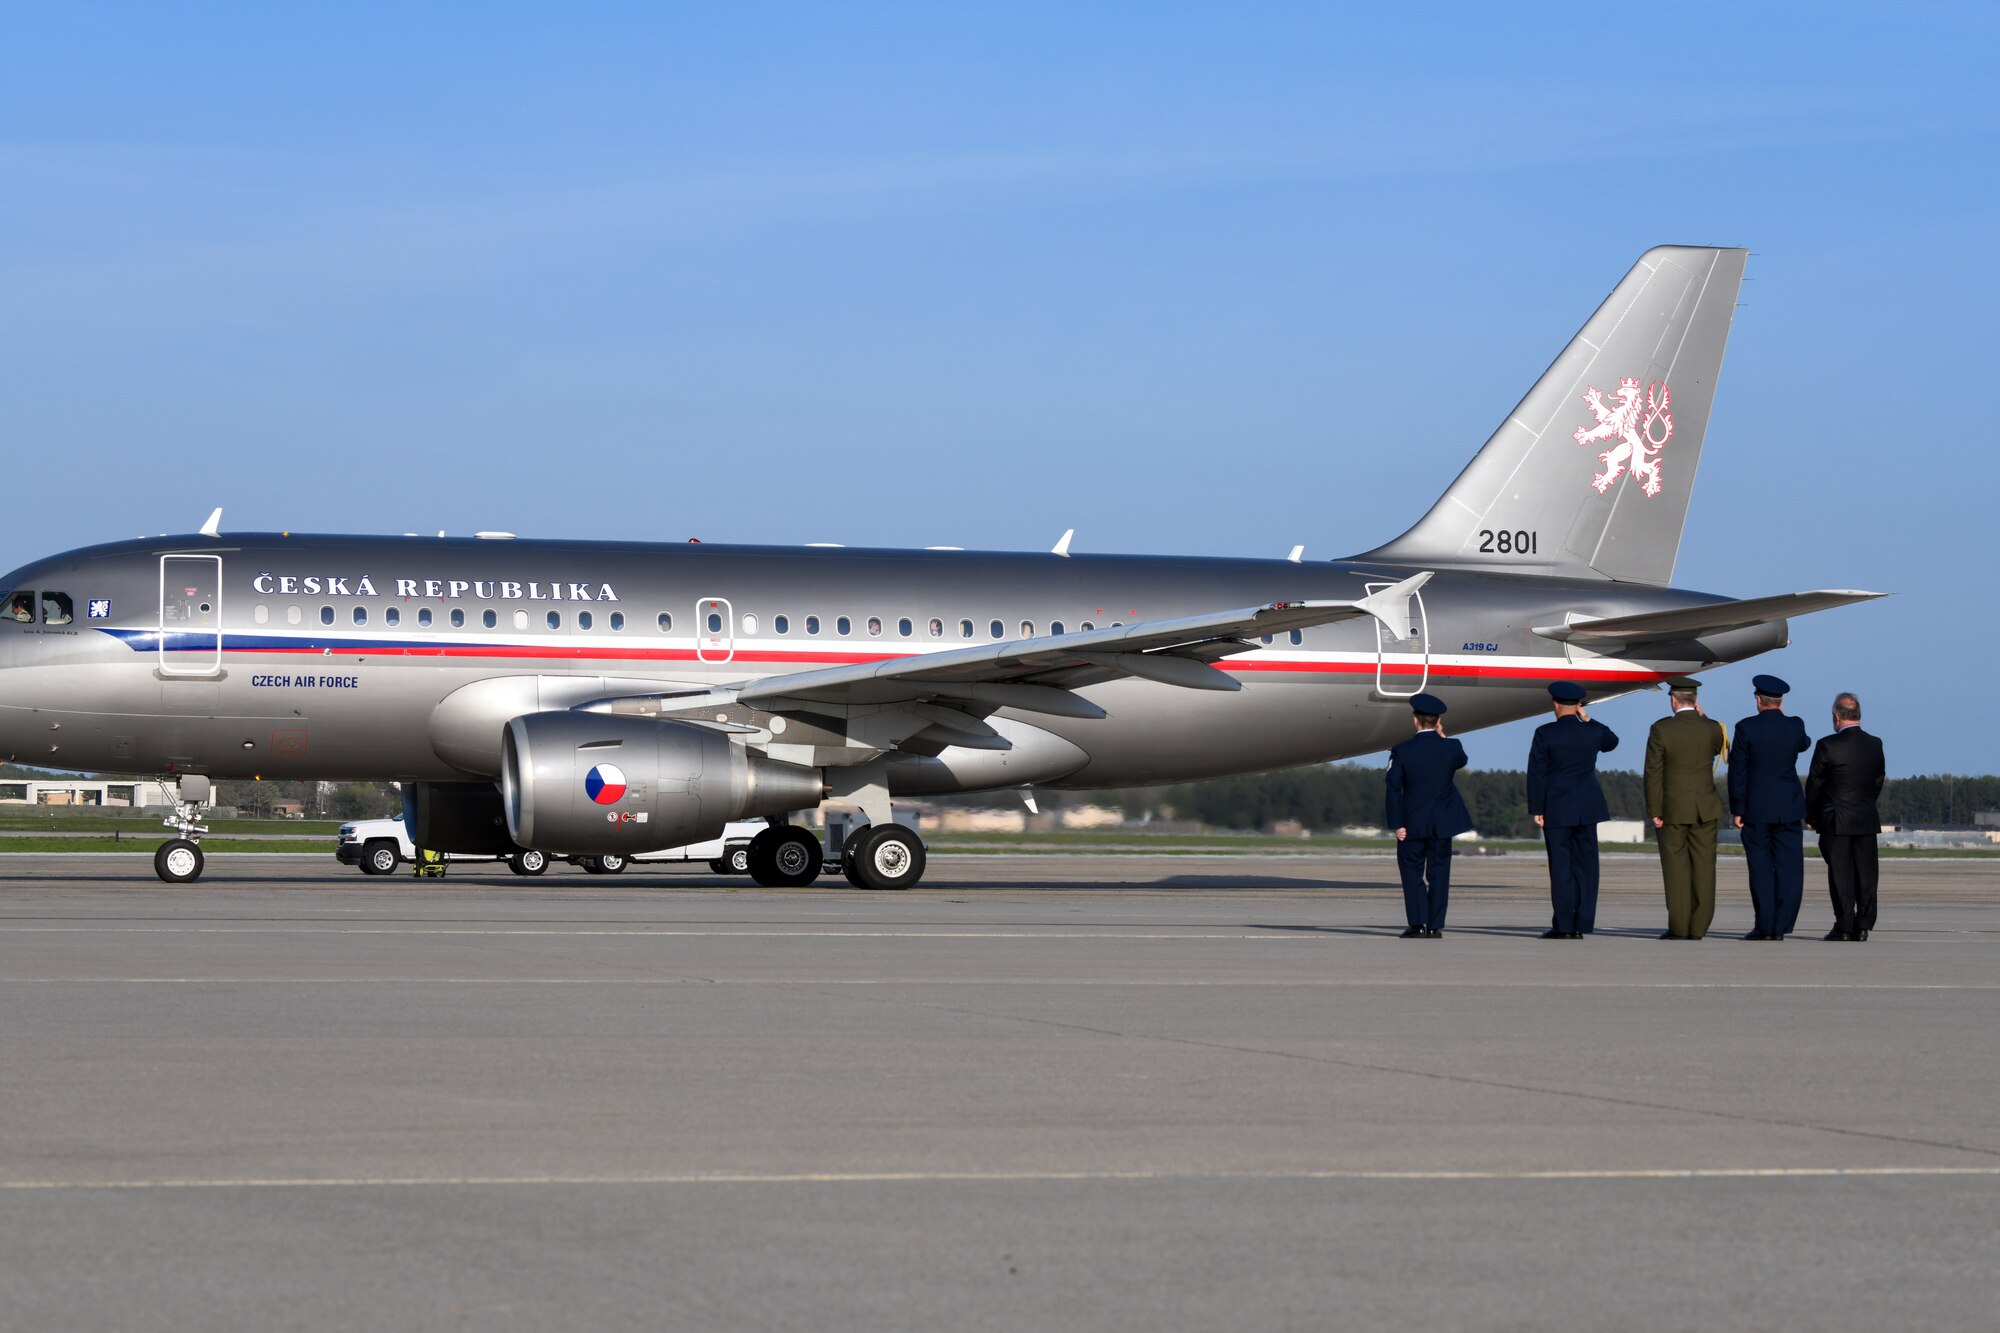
column 1691, row 622
column 1039, row 674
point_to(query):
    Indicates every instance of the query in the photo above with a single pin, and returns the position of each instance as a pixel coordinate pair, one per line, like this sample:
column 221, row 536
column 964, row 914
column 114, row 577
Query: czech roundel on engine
column 605, row 784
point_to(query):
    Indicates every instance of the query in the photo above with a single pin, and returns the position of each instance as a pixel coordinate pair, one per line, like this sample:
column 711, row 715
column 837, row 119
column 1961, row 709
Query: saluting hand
column 1583, row 713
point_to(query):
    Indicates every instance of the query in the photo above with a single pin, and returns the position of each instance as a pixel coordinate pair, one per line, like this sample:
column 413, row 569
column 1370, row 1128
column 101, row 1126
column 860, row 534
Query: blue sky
column 1185, row 278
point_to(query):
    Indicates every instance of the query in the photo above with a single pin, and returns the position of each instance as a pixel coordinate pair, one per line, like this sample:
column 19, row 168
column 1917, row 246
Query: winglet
column 1061, row 548
column 213, row 528
column 1391, row 606
column 1298, row 553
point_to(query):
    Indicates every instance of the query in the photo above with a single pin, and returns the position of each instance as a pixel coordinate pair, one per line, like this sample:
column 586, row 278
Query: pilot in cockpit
column 21, row 607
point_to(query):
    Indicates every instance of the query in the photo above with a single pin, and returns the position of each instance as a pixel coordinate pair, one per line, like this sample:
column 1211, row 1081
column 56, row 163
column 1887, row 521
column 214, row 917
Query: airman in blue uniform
column 1426, row 811
column 1767, row 802
column 1568, row 805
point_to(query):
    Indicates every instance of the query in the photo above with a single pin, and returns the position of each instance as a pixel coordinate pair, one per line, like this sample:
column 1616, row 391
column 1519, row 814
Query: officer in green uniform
column 1686, row 811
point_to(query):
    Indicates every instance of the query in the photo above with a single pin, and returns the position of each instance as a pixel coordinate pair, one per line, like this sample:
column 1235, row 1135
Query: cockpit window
column 21, row 607
column 56, row 608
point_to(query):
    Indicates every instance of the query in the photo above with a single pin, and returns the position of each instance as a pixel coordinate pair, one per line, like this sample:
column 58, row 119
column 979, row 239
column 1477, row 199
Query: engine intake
column 585, row 784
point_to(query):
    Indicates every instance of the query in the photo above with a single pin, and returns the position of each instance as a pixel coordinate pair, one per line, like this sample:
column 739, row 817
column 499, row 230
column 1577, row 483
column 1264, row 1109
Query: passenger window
column 1298, row 637
column 583, row 620
column 666, row 623
column 1263, row 638
column 905, row 628
column 21, row 607
column 326, row 615
column 1086, row 627
column 295, row 615
column 489, row 619
column 999, row 630
column 812, row 624
column 391, row 616
column 782, row 624
column 555, row 620
column 965, row 629
column 520, row 620
column 56, row 609
column 261, row 614
column 937, row 628
column 360, row 615
column 749, row 625
column 424, row 617
column 457, row 618
column 715, row 622
column 1027, row 629
column 1055, row 627
column 874, row 626
column 617, row 621
column 843, row 627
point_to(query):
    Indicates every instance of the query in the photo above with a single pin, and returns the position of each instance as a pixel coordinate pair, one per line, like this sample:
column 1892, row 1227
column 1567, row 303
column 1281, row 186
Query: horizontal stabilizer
column 1692, row 622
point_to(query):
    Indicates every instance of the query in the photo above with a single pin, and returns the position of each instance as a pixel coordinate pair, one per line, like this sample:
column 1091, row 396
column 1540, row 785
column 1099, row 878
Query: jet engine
column 587, row 784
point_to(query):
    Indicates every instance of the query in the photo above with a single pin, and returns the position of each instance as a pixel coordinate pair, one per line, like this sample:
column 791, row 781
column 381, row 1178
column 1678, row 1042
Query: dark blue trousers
column 1419, row 858
column 1572, row 875
column 1775, row 855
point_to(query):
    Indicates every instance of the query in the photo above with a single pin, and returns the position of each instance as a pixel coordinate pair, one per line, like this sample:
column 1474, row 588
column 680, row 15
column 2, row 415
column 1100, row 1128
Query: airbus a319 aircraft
column 607, row 698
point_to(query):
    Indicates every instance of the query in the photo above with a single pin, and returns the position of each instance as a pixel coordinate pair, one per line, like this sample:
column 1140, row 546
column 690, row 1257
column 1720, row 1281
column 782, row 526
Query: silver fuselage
column 289, row 665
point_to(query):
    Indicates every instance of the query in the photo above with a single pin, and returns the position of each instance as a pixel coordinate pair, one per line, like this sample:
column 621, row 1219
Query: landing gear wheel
column 178, row 862
column 379, row 858
column 604, row 865
column 528, row 862
column 784, row 858
column 735, row 861
column 889, row 857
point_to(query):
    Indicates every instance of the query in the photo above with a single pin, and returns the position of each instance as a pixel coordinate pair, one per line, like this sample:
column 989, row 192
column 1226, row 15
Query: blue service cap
column 1427, row 703
column 1566, row 692
column 1770, row 687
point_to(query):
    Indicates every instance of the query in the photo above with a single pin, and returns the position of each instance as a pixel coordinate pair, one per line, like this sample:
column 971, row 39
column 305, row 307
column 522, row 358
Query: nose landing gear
column 179, row 860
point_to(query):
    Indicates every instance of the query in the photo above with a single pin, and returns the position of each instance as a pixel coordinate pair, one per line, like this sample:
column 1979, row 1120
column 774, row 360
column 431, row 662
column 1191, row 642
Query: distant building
column 76, row 792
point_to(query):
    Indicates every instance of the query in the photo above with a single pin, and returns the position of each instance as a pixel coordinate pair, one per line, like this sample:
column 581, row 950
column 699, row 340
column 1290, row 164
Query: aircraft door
column 190, row 615
column 1402, row 666
column 714, row 630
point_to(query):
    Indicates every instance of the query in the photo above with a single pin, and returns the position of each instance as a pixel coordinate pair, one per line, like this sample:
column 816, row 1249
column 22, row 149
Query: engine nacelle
column 584, row 784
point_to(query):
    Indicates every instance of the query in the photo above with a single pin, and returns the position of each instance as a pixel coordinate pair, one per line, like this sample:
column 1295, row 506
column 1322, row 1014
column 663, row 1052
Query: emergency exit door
column 190, row 615
column 1402, row 666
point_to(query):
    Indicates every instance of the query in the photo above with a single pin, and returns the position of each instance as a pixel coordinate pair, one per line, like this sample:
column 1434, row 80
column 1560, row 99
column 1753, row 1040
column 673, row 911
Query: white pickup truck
column 378, row 846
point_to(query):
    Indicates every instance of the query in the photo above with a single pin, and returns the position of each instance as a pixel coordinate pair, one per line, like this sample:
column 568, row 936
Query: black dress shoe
column 1860, row 935
column 1774, row 937
column 1575, row 935
column 1557, row 935
column 1413, row 933
column 1433, row 933
column 1669, row 935
column 1759, row 935
column 1839, row 936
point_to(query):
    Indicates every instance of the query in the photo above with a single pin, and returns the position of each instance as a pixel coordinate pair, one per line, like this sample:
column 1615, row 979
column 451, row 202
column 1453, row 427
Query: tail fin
column 1592, row 471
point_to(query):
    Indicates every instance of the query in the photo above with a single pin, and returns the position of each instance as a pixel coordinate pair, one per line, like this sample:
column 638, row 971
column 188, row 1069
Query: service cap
column 1427, row 703
column 1770, row 687
column 1683, row 683
column 1566, row 692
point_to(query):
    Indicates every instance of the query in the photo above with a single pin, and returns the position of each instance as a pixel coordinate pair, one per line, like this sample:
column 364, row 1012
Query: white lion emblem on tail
column 1642, row 425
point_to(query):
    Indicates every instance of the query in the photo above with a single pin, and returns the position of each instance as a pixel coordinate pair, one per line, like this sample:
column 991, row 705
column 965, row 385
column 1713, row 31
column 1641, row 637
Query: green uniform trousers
column 1687, row 863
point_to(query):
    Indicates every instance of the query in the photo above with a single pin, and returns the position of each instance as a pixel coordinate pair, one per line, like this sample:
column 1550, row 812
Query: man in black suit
column 1841, row 788
column 1568, row 805
column 1768, row 805
column 1427, row 812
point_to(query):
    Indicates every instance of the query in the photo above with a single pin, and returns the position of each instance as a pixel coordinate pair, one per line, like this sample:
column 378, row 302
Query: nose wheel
column 178, row 861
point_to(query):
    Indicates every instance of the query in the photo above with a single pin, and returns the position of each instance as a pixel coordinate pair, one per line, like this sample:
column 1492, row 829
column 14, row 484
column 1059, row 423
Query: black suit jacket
column 1843, row 782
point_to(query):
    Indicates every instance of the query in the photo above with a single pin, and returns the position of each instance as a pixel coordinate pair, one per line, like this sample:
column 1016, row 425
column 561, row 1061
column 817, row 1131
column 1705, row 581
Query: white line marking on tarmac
column 995, row 1177
column 1038, row 982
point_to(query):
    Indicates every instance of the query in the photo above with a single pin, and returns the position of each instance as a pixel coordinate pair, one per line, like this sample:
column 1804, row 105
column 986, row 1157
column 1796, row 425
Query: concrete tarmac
column 1088, row 1093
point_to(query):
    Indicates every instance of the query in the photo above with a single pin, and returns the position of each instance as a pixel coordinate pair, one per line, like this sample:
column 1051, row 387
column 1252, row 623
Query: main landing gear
column 179, row 860
column 784, row 857
column 883, row 856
